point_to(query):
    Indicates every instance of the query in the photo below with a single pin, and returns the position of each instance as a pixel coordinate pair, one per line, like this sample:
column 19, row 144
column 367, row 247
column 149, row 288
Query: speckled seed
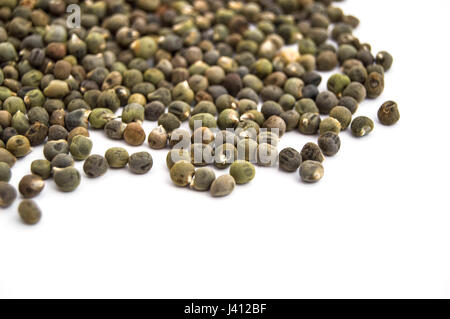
column 312, row 152
column 157, row 139
column 337, row 83
column 330, row 125
column 388, row 113
column 117, row 157
column 95, row 166
column 289, row 160
column 114, row 129
column 362, row 126
column 223, row 186
column 181, row 173
column 31, row 185
column 329, row 143
column 5, row 172
column 19, row 146
column 202, row 179
column 29, row 212
column 309, row 123
column 140, row 163
column 326, row 101
column 7, row 194
column 67, row 179
column 242, row 171
column 42, row 168
column 343, row 115
column 311, row 171
column 134, row 134
column 81, row 147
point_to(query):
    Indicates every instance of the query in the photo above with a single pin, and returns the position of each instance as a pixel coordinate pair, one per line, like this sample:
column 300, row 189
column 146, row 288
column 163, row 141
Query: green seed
column 117, row 157
column 169, row 121
column 30, row 212
column 388, row 113
column 343, row 115
column 53, row 148
column 31, row 185
column 223, row 186
column 202, row 120
column 99, row 117
column 306, row 106
column 330, row 125
column 242, row 171
column 337, row 83
column 356, row 90
column 133, row 112
column 140, row 163
column 311, row 171
column 56, row 89
column 294, row 86
column 202, row 179
column 5, row 172
column 12, row 105
column 362, row 126
column 19, row 146
column 67, row 179
column 182, row 173
column 144, row 47
column 182, row 92
column 95, row 166
column 81, row 147
column 41, row 168
column 62, row 161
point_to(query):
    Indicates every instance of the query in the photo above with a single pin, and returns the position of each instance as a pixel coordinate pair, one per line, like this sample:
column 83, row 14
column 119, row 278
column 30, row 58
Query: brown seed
column 157, row 139
column 31, row 185
column 134, row 134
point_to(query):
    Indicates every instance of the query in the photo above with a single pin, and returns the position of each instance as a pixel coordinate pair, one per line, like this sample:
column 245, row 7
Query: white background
column 376, row 226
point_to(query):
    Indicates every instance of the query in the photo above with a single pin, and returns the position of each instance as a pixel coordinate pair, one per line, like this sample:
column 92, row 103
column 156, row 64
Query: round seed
column 31, row 185
column 53, row 148
column 134, row 134
column 117, row 157
column 362, row 126
column 29, row 212
column 81, row 147
column 329, row 143
column 140, row 163
column 311, row 171
column 343, row 115
column 67, row 179
column 309, row 123
column 223, row 186
column 62, row 161
column 242, row 171
column 95, row 166
column 203, row 178
column 330, row 125
column 177, row 155
column 289, row 160
column 19, row 146
column 181, row 173
column 157, row 139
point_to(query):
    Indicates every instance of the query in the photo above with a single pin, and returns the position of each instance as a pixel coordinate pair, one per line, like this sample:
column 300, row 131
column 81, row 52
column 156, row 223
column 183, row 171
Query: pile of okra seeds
column 240, row 73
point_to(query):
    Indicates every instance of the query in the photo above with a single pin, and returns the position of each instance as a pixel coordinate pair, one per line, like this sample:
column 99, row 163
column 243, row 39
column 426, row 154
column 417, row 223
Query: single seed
column 62, row 161
column 362, row 126
column 42, row 168
column 95, row 166
column 182, row 173
column 312, row 152
column 31, row 185
column 343, row 115
column 67, row 179
column 202, row 179
column 157, row 139
column 30, row 212
column 223, row 186
column 140, row 163
column 330, row 125
column 329, row 143
column 242, row 171
column 388, row 114
column 134, row 134
column 289, row 160
column 311, row 171
column 81, row 147
column 117, row 157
